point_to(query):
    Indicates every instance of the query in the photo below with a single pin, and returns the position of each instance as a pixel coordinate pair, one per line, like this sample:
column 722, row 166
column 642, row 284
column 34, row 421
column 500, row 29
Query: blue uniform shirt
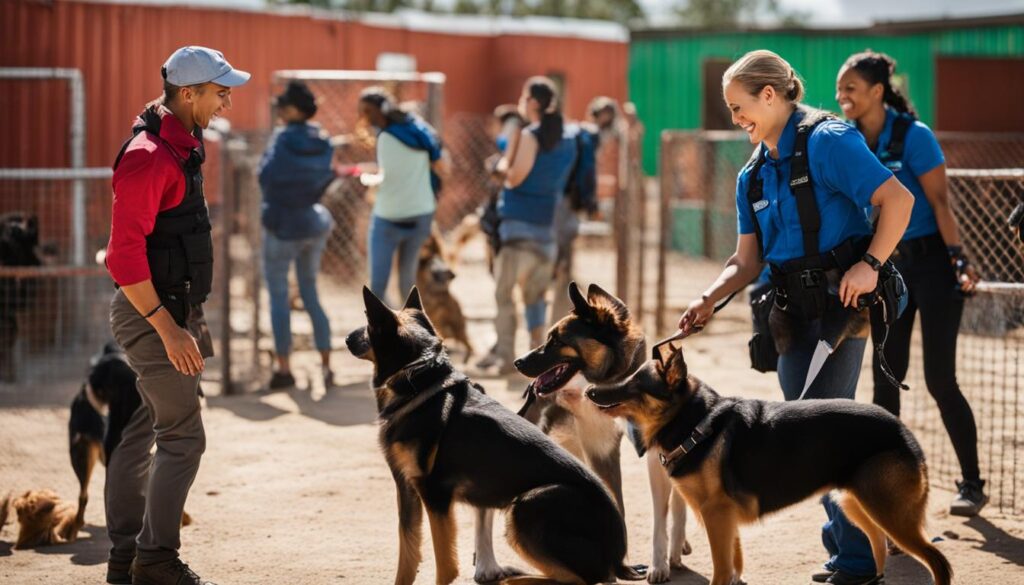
column 921, row 153
column 845, row 174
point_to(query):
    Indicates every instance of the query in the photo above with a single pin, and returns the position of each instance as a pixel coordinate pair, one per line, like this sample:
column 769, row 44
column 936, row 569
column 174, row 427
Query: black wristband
column 871, row 261
column 153, row 312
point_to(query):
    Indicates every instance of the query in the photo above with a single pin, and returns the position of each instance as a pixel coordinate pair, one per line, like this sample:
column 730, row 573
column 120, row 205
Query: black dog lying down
column 735, row 460
column 445, row 441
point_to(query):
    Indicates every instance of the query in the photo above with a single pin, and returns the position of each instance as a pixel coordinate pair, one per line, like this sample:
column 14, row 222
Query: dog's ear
column 674, row 371
column 597, row 295
column 377, row 313
column 580, row 306
column 413, row 300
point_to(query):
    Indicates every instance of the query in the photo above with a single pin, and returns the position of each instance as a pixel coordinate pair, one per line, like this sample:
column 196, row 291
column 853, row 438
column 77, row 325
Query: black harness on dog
column 419, row 381
column 180, row 248
column 701, row 432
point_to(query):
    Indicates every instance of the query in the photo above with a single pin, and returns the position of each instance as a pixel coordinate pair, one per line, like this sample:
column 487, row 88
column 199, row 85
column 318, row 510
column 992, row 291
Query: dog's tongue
column 548, row 376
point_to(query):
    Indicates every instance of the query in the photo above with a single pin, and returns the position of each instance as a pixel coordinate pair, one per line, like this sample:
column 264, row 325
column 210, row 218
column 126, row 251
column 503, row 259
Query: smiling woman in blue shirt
column 929, row 256
column 800, row 205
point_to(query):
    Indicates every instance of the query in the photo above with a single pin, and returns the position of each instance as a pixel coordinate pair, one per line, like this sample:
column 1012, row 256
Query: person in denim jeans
column 763, row 92
column 407, row 177
column 294, row 172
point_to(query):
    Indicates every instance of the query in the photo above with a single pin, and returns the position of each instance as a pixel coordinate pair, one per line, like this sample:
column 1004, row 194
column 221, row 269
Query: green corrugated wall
column 666, row 79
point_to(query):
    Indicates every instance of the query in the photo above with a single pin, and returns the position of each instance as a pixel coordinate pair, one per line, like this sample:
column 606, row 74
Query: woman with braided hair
column 929, row 256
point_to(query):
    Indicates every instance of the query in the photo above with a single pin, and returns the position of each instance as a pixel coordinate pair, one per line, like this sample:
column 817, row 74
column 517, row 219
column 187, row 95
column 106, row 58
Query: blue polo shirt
column 845, row 174
column 921, row 154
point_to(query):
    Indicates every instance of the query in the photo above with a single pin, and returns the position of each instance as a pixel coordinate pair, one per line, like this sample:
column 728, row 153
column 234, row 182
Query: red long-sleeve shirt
column 147, row 181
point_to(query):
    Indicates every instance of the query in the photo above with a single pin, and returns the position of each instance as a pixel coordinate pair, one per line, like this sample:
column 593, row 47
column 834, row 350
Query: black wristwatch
column 871, row 261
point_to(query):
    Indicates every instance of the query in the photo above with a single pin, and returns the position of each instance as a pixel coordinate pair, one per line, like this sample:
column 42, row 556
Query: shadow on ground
column 349, row 404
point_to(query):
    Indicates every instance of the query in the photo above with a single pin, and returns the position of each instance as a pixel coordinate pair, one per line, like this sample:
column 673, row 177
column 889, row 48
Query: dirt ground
column 293, row 489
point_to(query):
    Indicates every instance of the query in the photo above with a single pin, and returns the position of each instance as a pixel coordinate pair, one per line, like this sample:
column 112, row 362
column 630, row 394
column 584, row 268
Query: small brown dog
column 432, row 279
column 44, row 519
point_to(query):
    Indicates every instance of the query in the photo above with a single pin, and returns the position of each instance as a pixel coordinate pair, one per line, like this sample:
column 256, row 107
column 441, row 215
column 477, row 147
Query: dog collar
column 700, row 433
column 94, row 400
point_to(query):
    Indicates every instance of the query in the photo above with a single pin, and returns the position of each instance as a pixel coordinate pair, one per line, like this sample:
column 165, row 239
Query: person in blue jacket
column 293, row 174
column 821, row 261
column 930, row 257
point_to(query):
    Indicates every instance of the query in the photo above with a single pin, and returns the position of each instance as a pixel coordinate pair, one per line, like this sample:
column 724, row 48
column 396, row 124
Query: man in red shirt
column 161, row 256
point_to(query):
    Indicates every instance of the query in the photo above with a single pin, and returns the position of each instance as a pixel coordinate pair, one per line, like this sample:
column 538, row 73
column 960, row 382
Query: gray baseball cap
column 194, row 65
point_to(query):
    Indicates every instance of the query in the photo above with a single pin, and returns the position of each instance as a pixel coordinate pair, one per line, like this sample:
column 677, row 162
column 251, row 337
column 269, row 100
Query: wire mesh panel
column 982, row 201
column 347, row 199
column 991, row 342
column 54, row 291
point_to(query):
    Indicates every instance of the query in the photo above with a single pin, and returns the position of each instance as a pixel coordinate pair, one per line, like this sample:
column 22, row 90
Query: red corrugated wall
column 119, row 49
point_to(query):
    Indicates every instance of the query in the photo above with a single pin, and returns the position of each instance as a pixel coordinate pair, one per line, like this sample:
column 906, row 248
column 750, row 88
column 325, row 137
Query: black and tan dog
column 446, row 441
column 598, row 343
column 735, row 460
column 433, row 279
column 99, row 414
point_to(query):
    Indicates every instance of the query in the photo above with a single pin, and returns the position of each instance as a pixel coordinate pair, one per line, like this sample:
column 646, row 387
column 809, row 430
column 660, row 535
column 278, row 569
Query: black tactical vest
column 180, row 249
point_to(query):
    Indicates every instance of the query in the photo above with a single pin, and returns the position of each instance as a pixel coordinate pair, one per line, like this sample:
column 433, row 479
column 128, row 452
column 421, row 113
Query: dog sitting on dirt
column 433, row 277
column 446, row 441
column 736, row 460
column 598, row 343
column 19, row 246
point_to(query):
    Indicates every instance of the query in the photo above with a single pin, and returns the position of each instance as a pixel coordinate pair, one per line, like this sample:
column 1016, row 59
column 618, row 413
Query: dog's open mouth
column 554, row 379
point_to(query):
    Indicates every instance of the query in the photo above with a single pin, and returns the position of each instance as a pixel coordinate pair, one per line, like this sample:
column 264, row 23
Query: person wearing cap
column 160, row 255
column 294, row 172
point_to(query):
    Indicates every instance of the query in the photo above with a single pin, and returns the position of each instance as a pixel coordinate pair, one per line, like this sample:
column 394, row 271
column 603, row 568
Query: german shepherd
column 433, row 278
column 599, row 343
column 736, row 460
column 446, row 441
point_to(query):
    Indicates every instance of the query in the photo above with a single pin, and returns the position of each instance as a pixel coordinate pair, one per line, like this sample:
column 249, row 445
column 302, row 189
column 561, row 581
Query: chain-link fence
column 54, row 291
column 698, row 193
column 469, row 142
column 991, row 342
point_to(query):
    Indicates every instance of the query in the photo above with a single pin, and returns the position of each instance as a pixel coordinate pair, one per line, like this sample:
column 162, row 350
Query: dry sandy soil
column 294, row 490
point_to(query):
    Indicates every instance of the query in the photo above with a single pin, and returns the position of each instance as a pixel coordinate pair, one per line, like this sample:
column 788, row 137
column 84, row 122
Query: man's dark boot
column 172, row 572
column 119, row 573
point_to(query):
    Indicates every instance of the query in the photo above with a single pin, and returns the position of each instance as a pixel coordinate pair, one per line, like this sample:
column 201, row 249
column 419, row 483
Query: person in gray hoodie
column 294, row 173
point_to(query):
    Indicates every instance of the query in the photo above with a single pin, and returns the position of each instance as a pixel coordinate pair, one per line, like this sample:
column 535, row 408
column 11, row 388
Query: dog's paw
column 658, row 573
column 495, row 573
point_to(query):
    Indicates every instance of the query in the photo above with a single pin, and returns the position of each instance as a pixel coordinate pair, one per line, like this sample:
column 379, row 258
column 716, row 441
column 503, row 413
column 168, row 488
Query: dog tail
column 941, row 570
column 629, row 573
column 5, row 509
